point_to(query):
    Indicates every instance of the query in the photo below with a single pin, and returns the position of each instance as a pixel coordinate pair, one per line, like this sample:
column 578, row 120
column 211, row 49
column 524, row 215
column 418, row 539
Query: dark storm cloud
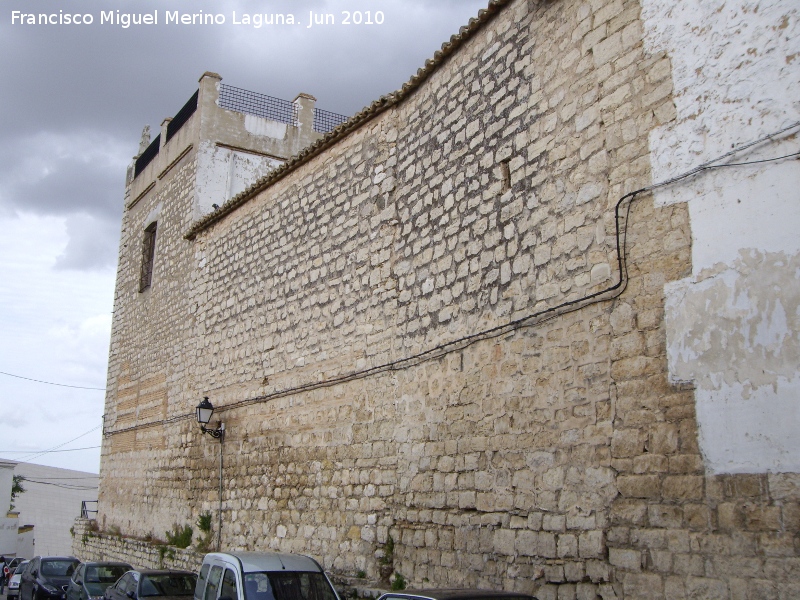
column 90, row 238
column 75, row 98
column 63, row 173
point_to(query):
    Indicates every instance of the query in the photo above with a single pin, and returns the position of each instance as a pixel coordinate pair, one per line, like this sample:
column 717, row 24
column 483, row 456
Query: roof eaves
column 355, row 122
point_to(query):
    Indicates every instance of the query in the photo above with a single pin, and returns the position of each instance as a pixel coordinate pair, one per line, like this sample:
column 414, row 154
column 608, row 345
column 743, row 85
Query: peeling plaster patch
column 738, row 324
column 265, row 127
column 246, row 169
column 733, row 326
column 735, row 331
column 222, row 173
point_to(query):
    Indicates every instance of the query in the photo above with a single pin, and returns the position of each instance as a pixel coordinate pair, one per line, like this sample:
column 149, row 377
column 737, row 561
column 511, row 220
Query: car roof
column 107, row 563
column 20, row 565
column 253, row 562
column 456, row 594
column 149, row 572
column 44, row 558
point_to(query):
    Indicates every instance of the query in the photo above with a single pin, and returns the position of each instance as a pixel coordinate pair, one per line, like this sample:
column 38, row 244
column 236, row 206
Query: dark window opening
column 148, row 256
column 505, row 175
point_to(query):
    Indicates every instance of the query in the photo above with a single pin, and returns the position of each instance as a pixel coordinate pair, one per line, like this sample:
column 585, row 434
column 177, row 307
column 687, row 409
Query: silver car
column 13, row 582
column 262, row 576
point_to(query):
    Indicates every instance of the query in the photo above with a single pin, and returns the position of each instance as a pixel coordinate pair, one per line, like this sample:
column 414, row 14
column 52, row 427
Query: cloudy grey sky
column 73, row 103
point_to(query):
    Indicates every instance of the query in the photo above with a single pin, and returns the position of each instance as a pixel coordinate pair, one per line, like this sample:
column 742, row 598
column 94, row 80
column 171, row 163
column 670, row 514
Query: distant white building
column 15, row 540
column 51, row 502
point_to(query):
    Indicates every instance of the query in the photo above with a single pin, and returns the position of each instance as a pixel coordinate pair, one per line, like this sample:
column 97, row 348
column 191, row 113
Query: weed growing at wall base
column 180, row 537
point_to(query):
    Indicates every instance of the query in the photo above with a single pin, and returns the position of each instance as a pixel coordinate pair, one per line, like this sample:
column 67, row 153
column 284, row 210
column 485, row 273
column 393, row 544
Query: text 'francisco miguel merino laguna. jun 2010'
column 175, row 17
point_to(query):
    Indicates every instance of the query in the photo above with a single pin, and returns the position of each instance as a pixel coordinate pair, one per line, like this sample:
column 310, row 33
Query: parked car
column 12, row 591
column 11, row 566
column 163, row 584
column 455, row 594
column 262, row 576
column 46, row 577
column 90, row 580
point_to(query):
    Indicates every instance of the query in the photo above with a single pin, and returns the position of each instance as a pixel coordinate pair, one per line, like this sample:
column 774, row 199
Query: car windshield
column 21, row 567
column 105, row 573
column 287, row 586
column 168, row 584
column 58, row 568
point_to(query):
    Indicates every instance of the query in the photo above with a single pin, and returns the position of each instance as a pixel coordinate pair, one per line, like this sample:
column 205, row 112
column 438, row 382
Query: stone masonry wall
column 90, row 545
column 148, row 333
column 554, row 458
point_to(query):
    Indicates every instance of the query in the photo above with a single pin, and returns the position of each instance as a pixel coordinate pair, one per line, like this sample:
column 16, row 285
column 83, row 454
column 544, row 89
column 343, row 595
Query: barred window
column 148, row 255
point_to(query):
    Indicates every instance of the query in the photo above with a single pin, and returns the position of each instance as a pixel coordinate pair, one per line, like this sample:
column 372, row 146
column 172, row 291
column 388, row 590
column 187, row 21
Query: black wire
column 31, row 455
column 65, row 486
column 754, row 162
column 67, row 478
column 77, row 387
column 46, row 451
column 536, row 318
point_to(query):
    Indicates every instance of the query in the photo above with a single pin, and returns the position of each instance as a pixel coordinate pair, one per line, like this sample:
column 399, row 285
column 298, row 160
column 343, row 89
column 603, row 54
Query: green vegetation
column 163, row 551
column 204, row 525
column 399, row 582
column 388, row 552
column 16, row 489
column 180, row 537
column 204, row 522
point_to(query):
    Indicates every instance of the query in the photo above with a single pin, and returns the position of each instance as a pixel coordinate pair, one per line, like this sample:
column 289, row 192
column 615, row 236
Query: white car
column 262, row 576
column 13, row 583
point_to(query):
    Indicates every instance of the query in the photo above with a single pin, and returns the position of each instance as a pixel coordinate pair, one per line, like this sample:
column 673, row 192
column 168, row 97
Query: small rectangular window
column 148, row 256
column 505, row 175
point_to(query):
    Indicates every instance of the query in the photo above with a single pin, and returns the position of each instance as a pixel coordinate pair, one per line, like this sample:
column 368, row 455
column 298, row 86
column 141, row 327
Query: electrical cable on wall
column 609, row 293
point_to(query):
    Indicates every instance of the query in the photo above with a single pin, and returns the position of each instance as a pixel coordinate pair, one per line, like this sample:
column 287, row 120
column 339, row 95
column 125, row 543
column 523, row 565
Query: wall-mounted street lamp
column 204, row 411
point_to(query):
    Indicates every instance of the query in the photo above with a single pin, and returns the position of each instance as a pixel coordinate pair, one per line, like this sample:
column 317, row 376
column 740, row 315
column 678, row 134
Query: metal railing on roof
column 325, row 121
column 243, row 101
column 283, row 111
column 261, row 105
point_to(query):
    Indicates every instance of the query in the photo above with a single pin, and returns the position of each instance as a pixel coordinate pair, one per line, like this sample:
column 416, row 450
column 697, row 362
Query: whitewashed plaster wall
column 733, row 326
column 6, row 483
column 8, row 535
column 223, row 172
column 25, row 543
column 52, row 509
column 9, row 525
